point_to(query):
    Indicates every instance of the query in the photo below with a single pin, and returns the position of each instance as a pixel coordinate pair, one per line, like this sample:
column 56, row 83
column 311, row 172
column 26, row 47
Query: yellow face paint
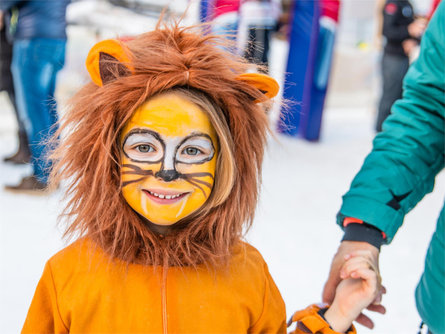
column 168, row 153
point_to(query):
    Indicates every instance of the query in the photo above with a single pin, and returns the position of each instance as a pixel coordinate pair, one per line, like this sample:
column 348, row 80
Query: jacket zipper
column 164, row 299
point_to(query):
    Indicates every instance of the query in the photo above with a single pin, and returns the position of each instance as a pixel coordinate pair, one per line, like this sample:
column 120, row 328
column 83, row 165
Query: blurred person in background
column 38, row 32
column 225, row 18
column 22, row 155
column 401, row 169
column 283, row 24
column 258, row 21
column 402, row 33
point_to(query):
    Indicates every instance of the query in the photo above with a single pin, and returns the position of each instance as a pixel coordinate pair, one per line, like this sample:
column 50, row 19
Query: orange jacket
column 83, row 291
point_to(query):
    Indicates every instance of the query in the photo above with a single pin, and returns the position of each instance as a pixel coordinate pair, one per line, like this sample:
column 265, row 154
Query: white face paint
column 147, row 146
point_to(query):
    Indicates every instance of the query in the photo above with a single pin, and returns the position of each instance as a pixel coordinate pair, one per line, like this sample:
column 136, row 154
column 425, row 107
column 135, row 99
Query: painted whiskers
column 192, row 178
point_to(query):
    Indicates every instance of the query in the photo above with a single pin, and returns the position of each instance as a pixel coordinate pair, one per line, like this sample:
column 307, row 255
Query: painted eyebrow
column 199, row 141
column 197, row 134
column 141, row 132
column 140, row 137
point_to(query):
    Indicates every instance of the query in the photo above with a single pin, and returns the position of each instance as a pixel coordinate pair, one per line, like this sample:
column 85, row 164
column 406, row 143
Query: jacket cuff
column 364, row 232
column 311, row 321
column 375, row 213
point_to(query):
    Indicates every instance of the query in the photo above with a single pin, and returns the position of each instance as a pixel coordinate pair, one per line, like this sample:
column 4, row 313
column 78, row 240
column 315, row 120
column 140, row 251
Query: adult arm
column 409, row 152
column 406, row 155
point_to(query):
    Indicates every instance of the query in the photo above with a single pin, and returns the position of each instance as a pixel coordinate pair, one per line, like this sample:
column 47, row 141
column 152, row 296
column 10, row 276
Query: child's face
column 168, row 153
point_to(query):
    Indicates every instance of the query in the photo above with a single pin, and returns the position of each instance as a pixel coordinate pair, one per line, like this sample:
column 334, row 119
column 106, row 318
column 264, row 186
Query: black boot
column 29, row 185
column 23, row 155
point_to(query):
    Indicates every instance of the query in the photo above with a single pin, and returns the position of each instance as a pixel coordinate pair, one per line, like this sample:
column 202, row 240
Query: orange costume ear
column 108, row 60
column 264, row 83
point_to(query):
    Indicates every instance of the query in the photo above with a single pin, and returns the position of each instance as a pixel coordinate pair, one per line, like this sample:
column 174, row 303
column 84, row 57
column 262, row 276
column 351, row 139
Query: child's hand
column 360, row 287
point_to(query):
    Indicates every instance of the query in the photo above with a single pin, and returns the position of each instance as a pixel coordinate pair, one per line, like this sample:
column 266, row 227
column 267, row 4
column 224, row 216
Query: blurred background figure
column 328, row 26
column 312, row 35
column 225, row 18
column 402, row 34
column 258, row 22
column 250, row 24
column 38, row 32
column 6, row 84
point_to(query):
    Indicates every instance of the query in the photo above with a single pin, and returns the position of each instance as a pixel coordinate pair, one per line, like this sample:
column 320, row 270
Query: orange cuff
column 314, row 322
column 351, row 220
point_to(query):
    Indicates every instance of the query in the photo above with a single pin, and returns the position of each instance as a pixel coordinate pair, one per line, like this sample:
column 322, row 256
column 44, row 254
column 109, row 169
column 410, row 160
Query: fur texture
column 87, row 157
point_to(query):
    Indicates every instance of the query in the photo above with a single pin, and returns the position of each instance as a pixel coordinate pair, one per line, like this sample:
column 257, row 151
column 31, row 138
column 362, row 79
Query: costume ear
column 264, row 83
column 108, row 60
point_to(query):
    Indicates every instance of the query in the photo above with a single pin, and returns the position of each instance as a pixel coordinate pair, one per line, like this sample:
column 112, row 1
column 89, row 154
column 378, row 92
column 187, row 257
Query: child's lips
column 164, row 197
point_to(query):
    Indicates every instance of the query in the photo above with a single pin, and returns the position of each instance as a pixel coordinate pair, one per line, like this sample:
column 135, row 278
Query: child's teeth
column 165, row 196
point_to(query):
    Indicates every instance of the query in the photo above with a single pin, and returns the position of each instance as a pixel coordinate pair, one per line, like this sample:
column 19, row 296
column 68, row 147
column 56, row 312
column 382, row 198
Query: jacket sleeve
column 409, row 153
column 43, row 315
column 273, row 315
column 392, row 30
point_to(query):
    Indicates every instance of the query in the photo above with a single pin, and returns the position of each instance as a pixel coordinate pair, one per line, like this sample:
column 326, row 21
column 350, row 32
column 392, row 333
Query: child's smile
column 163, row 197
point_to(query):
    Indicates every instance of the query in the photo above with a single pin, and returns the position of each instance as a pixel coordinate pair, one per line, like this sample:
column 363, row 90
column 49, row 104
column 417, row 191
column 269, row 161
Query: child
column 161, row 156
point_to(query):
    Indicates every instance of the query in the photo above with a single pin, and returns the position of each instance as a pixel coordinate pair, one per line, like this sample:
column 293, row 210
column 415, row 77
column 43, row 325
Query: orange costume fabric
column 83, row 291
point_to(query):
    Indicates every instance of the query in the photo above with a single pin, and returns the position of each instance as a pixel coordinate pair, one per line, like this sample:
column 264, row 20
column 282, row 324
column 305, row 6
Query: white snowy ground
column 294, row 228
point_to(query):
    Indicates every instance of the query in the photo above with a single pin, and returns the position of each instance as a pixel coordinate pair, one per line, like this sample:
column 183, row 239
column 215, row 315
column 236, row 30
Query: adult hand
column 409, row 46
column 417, row 28
column 348, row 247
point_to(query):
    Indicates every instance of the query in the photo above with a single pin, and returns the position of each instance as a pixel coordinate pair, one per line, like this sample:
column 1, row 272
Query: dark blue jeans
column 35, row 64
column 394, row 68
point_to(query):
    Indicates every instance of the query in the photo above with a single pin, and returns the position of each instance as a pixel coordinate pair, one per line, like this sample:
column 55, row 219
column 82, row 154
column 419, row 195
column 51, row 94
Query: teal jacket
column 405, row 159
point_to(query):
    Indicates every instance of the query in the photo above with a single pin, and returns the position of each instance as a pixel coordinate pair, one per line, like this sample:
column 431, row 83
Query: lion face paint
column 168, row 154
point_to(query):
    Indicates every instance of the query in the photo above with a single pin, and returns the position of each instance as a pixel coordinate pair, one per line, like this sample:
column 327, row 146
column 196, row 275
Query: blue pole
column 300, row 67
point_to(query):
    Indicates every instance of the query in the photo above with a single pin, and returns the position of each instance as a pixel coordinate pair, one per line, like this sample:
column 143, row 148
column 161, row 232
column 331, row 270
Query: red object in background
column 330, row 8
column 225, row 6
column 391, row 8
column 433, row 8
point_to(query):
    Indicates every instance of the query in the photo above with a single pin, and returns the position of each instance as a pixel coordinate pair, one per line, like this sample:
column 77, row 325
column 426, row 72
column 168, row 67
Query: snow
column 294, row 228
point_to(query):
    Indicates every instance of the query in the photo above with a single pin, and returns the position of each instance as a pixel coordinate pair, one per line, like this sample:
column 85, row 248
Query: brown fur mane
column 87, row 158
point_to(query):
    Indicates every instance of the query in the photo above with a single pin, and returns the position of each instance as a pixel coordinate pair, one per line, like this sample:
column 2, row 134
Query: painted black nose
column 167, row 175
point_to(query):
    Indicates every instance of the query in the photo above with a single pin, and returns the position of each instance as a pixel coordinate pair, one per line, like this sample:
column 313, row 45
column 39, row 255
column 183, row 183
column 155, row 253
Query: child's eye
column 143, row 148
column 196, row 149
column 191, row 151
